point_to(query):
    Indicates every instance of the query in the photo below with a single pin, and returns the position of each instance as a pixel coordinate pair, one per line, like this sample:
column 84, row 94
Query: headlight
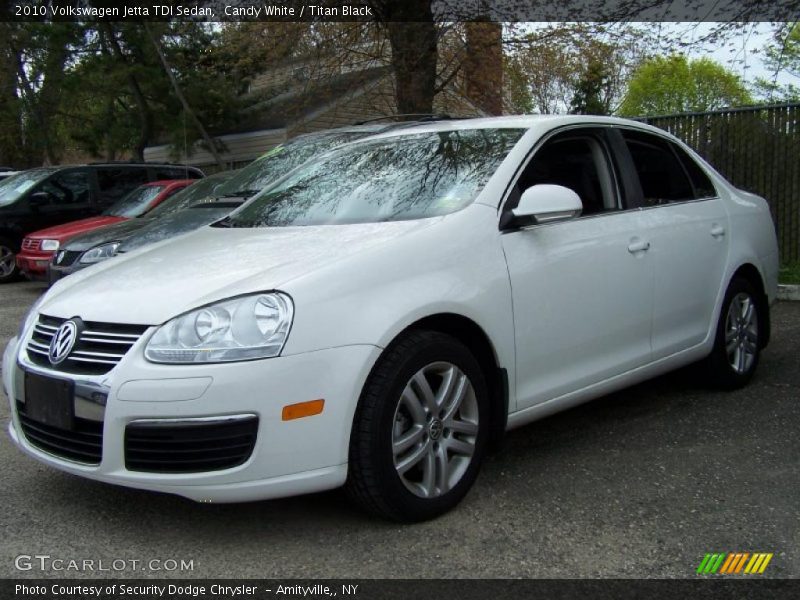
column 242, row 328
column 31, row 317
column 98, row 253
column 50, row 245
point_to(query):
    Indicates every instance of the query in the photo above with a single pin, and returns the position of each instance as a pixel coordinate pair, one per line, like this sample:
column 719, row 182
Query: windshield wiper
column 240, row 194
column 226, row 222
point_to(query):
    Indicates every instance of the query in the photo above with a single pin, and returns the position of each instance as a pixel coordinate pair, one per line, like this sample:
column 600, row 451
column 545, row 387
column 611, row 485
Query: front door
column 582, row 288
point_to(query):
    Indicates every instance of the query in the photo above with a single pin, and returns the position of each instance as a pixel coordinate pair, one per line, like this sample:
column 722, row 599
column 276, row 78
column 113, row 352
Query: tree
column 782, row 57
column 588, row 97
column 545, row 67
column 675, row 84
column 414, row 40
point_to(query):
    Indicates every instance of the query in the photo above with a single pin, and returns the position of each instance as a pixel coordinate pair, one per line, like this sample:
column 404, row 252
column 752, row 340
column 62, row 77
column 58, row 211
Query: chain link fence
column 758, row 150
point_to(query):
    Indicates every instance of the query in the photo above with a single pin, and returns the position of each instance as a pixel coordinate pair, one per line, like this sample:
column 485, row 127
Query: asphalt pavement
column 640, row 483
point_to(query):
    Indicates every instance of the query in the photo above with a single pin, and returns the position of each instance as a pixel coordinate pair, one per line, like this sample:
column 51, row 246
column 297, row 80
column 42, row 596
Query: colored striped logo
column 734, row 563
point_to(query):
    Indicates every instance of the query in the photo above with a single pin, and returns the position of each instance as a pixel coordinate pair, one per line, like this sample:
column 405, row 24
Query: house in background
column 316, row 93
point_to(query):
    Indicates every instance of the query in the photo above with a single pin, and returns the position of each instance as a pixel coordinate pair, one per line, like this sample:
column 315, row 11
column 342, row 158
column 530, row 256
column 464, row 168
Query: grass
column 790, row 273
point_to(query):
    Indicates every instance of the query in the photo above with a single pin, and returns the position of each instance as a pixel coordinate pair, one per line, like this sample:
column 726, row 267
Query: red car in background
column 40, row 246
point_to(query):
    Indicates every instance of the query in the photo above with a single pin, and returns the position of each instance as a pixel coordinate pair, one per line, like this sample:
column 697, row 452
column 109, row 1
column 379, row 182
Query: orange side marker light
column 302, row 409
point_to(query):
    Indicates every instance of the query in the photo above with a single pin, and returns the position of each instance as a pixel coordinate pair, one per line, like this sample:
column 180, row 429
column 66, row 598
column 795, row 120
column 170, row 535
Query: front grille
column 83, row 443
column 65, row 258
column 99, row 348
column 31, row 244
column 189, row 446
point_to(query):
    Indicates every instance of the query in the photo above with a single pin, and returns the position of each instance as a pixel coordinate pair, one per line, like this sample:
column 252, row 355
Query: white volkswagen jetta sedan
column 381, row 314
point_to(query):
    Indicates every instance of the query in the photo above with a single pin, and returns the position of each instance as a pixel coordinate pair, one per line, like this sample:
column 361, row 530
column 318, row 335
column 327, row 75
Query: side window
column 661, row 175
column 703, row 188
column 577, row 162
column 116, row 182
column 68, row 187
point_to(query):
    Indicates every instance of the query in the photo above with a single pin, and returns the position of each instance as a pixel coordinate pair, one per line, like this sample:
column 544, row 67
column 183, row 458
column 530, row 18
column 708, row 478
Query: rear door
column 582, row 288
column 687, row 226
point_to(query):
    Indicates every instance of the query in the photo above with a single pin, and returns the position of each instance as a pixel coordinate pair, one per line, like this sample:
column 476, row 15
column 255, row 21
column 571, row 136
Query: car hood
column 156, row 283
column 109, row 233
column 68, row 230
column 173, row 225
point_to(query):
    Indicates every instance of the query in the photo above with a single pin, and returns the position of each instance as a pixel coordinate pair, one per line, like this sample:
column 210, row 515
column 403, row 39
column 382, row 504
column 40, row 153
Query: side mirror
column 38, row 199
column 545, row 203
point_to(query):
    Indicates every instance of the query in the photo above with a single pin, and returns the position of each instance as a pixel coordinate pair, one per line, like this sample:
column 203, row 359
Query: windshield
column 135, row 203
column 391, row 179
column 277, row 162
column 12, row 188
column 198, row 191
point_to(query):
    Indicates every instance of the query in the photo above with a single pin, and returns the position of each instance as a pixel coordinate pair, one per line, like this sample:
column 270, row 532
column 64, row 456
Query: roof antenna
column 185, row 149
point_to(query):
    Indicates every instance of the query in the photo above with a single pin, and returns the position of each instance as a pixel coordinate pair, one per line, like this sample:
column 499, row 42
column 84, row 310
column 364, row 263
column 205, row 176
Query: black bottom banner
column 416, row 589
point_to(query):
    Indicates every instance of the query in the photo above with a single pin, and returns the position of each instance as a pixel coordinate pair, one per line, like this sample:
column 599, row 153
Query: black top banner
column 401, row 10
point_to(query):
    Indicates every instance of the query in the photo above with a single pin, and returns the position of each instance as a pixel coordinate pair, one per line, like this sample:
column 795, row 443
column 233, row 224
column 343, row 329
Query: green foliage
column 588, row 97
column 675, row 84
column 782, row 57
column 790, row 274
column 100, row 89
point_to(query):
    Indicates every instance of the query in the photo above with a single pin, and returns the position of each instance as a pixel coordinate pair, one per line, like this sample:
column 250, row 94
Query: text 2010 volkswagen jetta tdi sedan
column 380, row 314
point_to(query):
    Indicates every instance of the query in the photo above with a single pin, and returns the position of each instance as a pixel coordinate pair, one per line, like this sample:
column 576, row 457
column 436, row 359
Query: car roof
column 510, row 122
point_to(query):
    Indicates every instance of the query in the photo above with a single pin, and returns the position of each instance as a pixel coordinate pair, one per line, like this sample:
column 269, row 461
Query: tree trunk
column 179, row 93
column 483, row 67
column 415, row 52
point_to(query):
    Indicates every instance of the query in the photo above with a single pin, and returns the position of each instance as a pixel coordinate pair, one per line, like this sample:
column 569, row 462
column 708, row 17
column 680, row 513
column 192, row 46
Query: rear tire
column 421, row 429
column 738, row 341
column 8, row 267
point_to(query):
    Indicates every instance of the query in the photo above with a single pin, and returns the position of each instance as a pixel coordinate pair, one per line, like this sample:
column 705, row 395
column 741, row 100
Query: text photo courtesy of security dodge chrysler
column 378, row 316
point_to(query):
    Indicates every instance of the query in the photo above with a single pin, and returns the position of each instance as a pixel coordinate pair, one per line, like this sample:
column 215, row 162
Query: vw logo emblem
column 63, row 341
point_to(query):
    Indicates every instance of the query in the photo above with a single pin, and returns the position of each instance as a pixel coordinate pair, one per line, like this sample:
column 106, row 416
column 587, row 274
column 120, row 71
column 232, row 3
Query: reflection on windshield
column 11, row 188
column 279, row 161
column 397, row 178
column 197, row 192
column 135, row 203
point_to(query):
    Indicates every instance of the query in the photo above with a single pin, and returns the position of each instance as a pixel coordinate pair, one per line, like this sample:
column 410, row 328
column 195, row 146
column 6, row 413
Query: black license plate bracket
column 49, row 401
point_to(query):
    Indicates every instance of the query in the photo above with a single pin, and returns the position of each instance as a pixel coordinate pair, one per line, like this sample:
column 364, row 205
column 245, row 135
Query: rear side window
column 116, row 182
column 662, row 176
column 703, row 188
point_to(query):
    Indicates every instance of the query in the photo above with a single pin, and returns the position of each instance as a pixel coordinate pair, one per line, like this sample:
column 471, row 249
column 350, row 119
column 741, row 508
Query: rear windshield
column 135, row 203
column 12, row 188
column 387, row 179
column 197, row 192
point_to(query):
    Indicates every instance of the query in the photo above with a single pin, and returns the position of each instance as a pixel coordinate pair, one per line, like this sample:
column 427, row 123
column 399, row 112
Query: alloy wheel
column 435, row 429
column 741, row 332
column 7, row 264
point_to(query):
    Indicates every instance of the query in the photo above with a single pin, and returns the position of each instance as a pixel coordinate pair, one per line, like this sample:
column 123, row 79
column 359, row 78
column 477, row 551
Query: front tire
column 421, row 429
column 738, row 341
column 8, row 267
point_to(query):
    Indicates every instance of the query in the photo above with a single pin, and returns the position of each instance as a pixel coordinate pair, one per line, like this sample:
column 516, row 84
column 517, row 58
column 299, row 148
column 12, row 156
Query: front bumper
column 34, row 264
column 289, row 457
column 55, row 272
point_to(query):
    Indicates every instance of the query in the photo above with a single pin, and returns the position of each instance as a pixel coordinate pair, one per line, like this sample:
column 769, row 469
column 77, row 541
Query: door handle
column 636, row 245
column 717, row 231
